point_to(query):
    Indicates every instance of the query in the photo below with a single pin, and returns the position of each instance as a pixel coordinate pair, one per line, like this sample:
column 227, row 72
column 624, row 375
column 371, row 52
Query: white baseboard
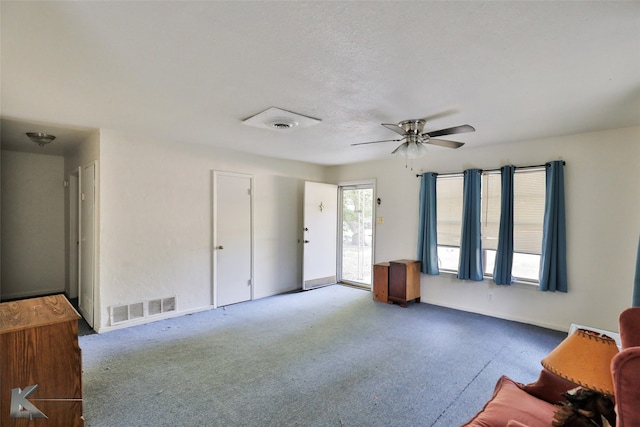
column 502, row 316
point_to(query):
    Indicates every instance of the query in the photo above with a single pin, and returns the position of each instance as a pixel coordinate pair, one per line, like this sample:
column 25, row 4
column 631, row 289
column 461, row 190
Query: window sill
column 524, row 283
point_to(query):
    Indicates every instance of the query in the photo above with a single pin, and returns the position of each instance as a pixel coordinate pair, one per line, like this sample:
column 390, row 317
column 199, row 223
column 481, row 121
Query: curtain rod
column 491, row 170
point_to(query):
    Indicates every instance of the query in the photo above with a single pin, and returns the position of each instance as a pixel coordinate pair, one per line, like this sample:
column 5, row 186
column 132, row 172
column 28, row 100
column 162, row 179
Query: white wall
column 603, row 222
column 83, row 154
column 33, row 239
column 156, row 221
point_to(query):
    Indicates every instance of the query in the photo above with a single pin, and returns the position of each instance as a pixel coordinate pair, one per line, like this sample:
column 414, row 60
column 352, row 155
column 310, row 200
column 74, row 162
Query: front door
column 320, row 234
column 232, row 238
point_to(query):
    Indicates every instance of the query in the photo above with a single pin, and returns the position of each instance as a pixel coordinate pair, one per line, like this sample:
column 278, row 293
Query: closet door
column 233, row 238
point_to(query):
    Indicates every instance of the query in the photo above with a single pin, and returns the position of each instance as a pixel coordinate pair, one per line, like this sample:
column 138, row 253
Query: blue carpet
column 327, row 357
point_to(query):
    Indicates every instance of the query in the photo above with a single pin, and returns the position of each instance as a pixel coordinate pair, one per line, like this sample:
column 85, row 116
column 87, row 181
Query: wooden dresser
column 404, row 281
column 39, row 347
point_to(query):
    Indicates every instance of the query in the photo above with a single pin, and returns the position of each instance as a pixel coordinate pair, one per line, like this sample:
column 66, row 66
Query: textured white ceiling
column 192, row 71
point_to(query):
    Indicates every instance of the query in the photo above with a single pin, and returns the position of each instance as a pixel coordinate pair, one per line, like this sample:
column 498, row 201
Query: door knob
column 220, row 247
column 306, row 241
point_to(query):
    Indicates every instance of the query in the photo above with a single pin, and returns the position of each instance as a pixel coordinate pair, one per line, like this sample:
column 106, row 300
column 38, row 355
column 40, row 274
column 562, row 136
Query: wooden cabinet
column 404, row 281
column 381, row 281
column 39, row 347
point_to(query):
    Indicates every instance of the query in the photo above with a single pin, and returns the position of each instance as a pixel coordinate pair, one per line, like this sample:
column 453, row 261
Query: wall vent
column 127, row 312
column 136, row 311
column 119, row 314
column 163, row 305
column 155, row 307
column 123, row 313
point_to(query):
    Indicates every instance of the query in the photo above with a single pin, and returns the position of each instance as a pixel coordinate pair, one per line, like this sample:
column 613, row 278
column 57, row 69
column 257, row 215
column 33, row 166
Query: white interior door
column 86, row 274
column 233, row 238
column 74, row 236
column 320, row 234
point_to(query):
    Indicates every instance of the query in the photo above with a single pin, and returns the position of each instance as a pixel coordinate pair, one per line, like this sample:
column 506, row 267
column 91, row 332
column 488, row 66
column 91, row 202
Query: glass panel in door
column 357, row 234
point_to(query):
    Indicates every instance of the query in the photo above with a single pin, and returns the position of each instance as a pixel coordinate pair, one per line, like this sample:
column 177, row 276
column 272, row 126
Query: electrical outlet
column 490, row 296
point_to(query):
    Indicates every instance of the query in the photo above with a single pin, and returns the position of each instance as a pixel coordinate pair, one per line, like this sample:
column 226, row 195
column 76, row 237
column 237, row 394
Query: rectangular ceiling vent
column 128, row 312
column 281, row 120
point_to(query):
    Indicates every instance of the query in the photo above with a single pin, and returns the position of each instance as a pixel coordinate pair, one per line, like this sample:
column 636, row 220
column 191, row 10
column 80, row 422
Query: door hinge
column 249, row 191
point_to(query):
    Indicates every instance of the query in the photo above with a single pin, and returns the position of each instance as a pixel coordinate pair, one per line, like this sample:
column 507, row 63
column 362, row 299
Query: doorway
column 232, row 238
column 355, row 246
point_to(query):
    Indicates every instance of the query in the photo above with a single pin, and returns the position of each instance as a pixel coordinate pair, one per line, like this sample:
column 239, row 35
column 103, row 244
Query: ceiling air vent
column 280, row 120
column 283, row 124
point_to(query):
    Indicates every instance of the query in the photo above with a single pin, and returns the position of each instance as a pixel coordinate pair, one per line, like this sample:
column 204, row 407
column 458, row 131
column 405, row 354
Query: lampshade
column 412, row 149
column 584, row 358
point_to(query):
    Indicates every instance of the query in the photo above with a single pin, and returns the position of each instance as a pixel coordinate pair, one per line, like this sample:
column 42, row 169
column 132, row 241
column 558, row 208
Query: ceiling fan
column 415, row 140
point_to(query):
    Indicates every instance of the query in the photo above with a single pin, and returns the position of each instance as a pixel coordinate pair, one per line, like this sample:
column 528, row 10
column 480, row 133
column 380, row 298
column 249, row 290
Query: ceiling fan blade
column 397, row 129
column 445, row 143
column 450, row 131
column 441, row 114
column 375, row 142
column 398, row 147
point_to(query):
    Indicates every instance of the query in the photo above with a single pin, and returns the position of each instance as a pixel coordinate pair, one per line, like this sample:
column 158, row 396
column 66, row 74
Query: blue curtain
column 636, row 283
column 470, row 266
column 504, row 254
column 427, row 234
column 553, row 261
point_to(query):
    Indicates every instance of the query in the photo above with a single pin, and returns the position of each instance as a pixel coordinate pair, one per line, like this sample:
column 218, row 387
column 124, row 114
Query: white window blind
column 528, row 200
column 449, row 209
column 529, row 192
column 490, row 217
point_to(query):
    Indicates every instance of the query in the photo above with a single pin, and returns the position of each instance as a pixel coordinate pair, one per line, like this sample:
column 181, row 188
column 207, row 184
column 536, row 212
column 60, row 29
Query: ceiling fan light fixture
column 40, row 138
column 413, row 127
column 415, row 150
column 412, row 148
column 416, row 141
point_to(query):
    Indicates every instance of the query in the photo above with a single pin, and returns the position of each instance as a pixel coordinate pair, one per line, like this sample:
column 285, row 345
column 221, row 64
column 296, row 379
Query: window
column 449, row 216
column 529, row 196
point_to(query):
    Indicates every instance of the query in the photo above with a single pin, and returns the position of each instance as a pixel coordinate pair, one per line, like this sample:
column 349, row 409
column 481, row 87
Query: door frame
column 73, row 237
column 96, row 222
column 368, row 182
column 214, row 231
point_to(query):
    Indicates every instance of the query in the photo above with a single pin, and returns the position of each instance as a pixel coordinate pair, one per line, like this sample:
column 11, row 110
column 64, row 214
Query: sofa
column 533, row 405
column 625, row 369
